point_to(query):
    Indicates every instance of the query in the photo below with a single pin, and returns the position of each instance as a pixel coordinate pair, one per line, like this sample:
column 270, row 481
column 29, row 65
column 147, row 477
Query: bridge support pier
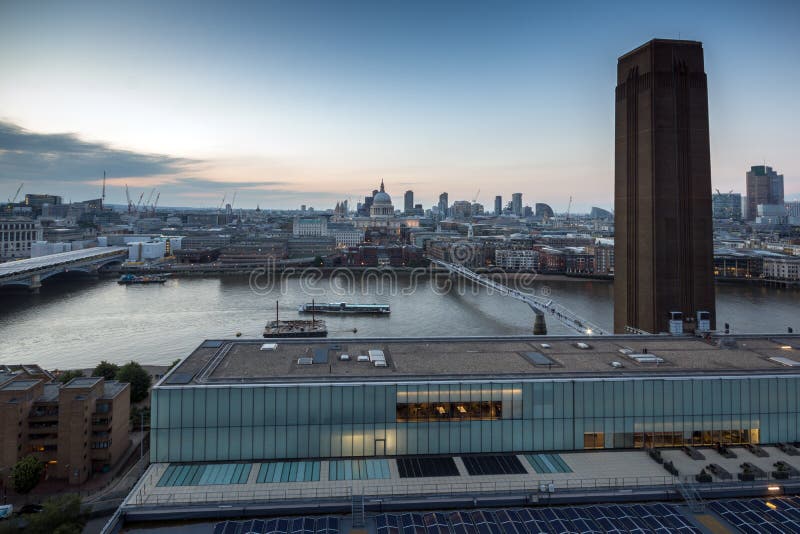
column 539, row 325
column 36, row 283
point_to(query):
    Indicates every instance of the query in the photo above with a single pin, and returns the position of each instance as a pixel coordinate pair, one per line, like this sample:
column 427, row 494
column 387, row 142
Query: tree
column 174, row 363
column 318, row 261
column 106, row 369
column 66, row 376
column 137, row 377
column 61, row 515
column 26, row 474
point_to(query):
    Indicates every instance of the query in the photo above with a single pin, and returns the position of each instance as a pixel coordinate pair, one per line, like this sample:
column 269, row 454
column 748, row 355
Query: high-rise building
column 727, row 206
column 408, row 202
column 764, row 186
column 664, row 264
column 443, row 205
column 543, row 211
column 516, row 204
column 498, row 205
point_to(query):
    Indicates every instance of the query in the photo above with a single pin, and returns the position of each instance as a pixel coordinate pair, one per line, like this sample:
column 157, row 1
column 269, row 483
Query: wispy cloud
column 64, row 157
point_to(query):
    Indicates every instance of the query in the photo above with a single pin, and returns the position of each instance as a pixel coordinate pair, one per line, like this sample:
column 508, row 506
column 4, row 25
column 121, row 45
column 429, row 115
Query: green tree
column 66, row 376
column 137, row 377
column 174, row 363
column 106, row 369
column 26, row 474
column 318, row 261
column 61, row 515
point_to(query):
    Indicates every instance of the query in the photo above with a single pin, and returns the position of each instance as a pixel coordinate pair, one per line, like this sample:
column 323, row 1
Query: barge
column 296, row 328
column 128, row 279
column 344, row 307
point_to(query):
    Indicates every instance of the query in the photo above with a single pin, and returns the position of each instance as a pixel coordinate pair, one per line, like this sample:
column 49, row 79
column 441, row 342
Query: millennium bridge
column 542, row 307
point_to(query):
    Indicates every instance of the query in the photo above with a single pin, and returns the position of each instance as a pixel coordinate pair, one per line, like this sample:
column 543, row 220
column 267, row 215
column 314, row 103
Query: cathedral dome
column 382, row 197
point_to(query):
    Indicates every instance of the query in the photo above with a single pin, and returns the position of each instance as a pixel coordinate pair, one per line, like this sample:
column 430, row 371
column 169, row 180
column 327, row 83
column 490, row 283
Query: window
column 593, row 440
column 449, row 411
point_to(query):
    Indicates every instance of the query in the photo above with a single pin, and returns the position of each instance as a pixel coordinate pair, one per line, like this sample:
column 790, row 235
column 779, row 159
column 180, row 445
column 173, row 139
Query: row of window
column 449, row 411
column 649, row 440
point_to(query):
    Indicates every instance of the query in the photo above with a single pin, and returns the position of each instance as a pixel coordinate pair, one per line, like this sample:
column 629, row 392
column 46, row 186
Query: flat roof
column 481, row 358
column 19, row 385
column 83, row 382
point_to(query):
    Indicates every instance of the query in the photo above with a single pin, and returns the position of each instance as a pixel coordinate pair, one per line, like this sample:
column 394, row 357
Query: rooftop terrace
column 239, row 361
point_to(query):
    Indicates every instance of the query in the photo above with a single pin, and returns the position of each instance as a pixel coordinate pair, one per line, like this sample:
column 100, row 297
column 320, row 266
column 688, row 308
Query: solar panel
column 426, row 467
column 180, row 378
column 506, row 464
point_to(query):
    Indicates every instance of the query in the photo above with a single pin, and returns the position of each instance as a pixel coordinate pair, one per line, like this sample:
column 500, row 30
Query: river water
column 77, row 323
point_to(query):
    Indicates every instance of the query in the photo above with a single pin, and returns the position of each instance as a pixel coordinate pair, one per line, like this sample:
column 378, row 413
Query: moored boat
column 344, row 307
column 128, row 279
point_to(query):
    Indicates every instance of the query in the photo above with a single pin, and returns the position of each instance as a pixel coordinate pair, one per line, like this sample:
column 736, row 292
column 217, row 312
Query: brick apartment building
column 77, row 429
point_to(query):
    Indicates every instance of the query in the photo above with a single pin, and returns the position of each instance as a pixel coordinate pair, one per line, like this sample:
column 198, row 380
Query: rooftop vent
column 583, row 346
column 544, row 345
column 646, row 358
column 617, row 365
column 376, row 355
column 269, row 346
column 363, row 358
column 344, row 357
column 538, row 359
column 379, row 363
column 305, row 361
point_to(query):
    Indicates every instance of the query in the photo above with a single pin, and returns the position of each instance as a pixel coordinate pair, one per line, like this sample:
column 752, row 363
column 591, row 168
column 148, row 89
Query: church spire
column 382, row 191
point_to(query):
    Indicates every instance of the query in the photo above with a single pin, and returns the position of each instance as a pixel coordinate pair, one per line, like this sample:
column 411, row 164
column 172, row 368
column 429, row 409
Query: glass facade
column 261, row 421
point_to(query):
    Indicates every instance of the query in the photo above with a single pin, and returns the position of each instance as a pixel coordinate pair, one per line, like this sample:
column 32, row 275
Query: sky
column 297, row 102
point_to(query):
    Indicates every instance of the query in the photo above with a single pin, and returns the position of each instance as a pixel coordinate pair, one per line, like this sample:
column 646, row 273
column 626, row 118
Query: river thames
column 77, row 323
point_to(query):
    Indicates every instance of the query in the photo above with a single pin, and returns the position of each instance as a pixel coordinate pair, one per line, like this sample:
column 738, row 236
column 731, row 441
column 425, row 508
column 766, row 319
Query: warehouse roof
column 315, row 360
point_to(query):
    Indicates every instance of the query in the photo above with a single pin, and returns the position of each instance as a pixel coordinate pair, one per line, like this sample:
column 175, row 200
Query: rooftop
column 19, row 385
column 83, row 382
column 239, row 361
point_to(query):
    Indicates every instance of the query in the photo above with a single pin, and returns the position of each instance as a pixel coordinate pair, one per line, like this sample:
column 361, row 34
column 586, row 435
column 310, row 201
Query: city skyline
column 314, row 103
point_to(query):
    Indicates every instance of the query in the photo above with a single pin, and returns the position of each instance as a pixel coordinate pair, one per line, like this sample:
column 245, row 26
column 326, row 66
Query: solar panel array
column 294, row 525
column 658, row 518
column 274, row 472
column 358, row 469
column 548, row 463
column 501, row 464
column 753, row 515
column 426, row 467
column 205, row 474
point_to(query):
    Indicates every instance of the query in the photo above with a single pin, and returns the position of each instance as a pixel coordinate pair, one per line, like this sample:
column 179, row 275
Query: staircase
column 690, row 495
column 357, row 512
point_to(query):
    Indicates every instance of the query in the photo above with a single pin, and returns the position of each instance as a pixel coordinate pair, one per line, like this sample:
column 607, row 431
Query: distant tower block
column 662, row 198
column 539, row 325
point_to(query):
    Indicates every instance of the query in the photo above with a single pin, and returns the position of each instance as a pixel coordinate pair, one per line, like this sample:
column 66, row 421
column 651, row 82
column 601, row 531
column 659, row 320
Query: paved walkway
column 591, row 470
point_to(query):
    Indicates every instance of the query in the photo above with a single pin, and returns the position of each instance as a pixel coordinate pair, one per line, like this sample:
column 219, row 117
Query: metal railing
column 175, row 496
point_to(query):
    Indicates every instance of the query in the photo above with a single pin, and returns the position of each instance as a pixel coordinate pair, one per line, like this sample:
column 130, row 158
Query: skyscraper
column 764, row 186
column 663, row 245
column 443, row 205
column 516, row 204
column 408, row 202
column 498, row 205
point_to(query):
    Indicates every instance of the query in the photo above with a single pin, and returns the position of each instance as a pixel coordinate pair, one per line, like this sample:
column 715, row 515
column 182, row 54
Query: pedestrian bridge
column 32, row 271
column 541, row 306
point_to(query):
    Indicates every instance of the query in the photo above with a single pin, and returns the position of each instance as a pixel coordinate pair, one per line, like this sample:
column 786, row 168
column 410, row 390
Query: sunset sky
column 299, row 102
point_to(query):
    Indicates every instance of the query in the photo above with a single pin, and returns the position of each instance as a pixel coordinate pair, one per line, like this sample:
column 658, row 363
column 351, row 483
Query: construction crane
column 139, row 202
column 128, row 197
column 475, row 198
column 155, row 203
column 14, row 198
column 233, row 199
column 149, row 198
column 569, row 206
column 104, row 187
column 223, row 202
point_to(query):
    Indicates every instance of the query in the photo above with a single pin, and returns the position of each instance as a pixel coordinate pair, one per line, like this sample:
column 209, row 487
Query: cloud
column 64, row 157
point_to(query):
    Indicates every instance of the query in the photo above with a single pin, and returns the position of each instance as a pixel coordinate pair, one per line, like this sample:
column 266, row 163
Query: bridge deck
column 20, row 267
